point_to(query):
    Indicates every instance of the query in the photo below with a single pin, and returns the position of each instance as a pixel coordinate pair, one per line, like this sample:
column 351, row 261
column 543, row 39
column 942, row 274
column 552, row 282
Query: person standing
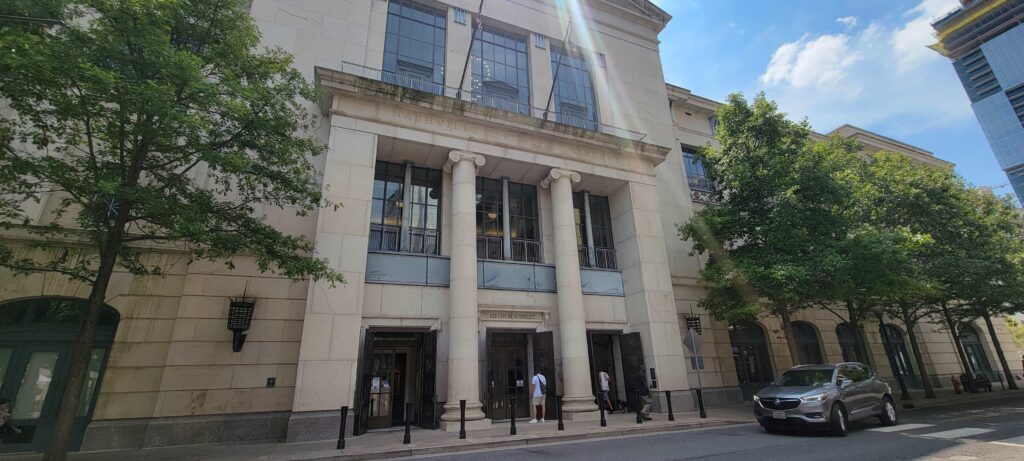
column 644, row 392
column 538, row 392
column 605, row 380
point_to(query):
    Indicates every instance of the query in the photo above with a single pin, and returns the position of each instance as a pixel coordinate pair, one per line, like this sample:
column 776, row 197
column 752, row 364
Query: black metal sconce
column 693, row 323
column 239, row 319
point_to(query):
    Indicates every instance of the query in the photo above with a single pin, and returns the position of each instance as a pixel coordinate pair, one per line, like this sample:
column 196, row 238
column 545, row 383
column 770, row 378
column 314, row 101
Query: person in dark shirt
column 640, row 387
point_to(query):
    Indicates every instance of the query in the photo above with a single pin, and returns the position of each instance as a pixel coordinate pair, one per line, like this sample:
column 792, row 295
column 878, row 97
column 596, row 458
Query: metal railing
column 503, row 104
column 489, row 248
column 526, row 250
column 389, row 238
column 424, row 241
column 604, row 258
column 385, row 238
column 701, row 183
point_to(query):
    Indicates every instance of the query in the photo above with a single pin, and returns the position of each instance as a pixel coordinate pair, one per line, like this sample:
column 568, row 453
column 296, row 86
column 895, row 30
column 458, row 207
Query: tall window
column 696, row 175
column 848, row 343
column 807, row 347
column 574, row 88
column 414, row 46
column 386, row 208
column 602, row 255
column 396, row 225
column 500, row 70
column 490, row 229
column 898, row 349
column 523, row 227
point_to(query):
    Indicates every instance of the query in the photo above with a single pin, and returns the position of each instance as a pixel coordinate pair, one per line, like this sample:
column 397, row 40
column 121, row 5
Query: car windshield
column 813, row 378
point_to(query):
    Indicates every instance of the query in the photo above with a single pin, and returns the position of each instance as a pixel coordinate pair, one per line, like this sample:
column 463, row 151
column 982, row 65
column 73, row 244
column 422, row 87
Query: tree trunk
column 966, row 364
column 787, row 329
column 60, row 440
column 1010, row 382
column 929, row 392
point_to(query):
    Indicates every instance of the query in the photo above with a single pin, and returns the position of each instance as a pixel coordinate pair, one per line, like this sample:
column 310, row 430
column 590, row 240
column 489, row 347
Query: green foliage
column 155, row 121
column 1016, row 331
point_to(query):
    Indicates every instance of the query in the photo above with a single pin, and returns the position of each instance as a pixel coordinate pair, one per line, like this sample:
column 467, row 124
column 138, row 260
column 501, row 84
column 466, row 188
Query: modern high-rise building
column 511, row 192
column 985, row 41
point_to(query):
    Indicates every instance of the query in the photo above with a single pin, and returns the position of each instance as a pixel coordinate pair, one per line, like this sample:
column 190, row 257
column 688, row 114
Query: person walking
column 606, row 380
column 538, row 392
column 644, row 392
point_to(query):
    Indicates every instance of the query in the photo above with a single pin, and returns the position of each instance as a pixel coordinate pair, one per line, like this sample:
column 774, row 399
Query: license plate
column 779, row 414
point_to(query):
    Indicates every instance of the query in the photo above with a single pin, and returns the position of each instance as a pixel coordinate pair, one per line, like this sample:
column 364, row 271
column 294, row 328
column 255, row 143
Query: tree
column 116, row 112
column 1016, row 331
column 779, row 202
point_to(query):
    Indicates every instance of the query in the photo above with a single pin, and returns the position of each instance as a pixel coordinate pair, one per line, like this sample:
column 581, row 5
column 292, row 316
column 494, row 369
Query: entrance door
column 971, row 341
column 544, row 363
column 391, row 376
column 750, row 353
column 507, row 375
column 36, row 340
column 602, row 358
column 633, row 369
column 428, row 381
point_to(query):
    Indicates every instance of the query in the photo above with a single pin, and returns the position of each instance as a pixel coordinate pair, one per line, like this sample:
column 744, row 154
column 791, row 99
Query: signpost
column 693, row 343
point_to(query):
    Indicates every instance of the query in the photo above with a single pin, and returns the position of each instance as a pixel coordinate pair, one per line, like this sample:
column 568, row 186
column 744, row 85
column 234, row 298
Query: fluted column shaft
column 463, row 317
column 572, row 328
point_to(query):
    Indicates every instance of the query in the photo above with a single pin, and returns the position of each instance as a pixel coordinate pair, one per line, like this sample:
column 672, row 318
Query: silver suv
column 828, row 396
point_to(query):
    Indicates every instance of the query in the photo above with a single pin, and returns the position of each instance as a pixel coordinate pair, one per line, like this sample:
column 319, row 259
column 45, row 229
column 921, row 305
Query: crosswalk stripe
column 901, row 427
column 1015, row 442
column 957, row 433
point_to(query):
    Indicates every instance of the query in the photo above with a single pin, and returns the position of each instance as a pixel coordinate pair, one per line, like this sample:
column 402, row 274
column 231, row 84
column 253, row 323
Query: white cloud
column 879, row 77
column 849, row 21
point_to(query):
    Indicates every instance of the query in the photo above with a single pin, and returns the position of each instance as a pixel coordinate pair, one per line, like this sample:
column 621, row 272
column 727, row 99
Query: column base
column 579, row 409
column 474, row 412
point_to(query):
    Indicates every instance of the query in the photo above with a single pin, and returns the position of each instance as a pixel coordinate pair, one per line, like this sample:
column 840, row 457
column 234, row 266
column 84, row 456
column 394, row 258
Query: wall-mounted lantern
column 693, row 323
column 239, row 318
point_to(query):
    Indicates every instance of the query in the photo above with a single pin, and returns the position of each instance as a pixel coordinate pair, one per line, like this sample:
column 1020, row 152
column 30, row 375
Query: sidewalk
column 388, row 444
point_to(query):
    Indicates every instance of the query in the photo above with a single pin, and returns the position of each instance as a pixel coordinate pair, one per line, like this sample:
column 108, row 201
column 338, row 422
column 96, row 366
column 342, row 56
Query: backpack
column 543, row 384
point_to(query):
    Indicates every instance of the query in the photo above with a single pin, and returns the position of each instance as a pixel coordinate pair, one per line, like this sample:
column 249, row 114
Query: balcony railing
column 426, row 86
column 604, row 258
column 701, row 188
column 389, row 238
column 424, row 241
column 526, row 250
column 385, row 238
column 490, row 248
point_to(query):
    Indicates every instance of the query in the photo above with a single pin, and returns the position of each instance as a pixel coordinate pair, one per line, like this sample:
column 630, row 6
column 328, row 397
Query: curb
column 921, row 404
column 527, row 440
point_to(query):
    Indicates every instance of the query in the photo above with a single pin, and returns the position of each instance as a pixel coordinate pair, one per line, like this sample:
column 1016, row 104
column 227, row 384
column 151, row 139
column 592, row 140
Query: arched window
column 750, row 353
column 971, row 341
column 36, row 338
column 808, row 348
column 848, row 343
column 898, row 348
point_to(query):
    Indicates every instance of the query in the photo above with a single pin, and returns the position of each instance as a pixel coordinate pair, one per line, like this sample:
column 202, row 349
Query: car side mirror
column 845, row 383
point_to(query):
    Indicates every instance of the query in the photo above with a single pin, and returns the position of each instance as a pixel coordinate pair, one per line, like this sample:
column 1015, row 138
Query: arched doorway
column 975, row 352
column 36, row 337
column 750, row 352
column 899, row 354
column 808, row 348
column 848, row 343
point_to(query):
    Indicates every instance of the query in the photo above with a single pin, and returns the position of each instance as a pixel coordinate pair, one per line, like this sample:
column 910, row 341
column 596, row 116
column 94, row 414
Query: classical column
column 463, row 335
column 578, row 400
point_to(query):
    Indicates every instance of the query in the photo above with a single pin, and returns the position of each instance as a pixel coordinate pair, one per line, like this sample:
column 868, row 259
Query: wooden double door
column 510, row 368
column 396, row 368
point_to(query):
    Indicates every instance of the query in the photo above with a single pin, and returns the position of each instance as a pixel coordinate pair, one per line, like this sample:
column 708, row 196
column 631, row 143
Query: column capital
column 558, row 173
column 456, row 156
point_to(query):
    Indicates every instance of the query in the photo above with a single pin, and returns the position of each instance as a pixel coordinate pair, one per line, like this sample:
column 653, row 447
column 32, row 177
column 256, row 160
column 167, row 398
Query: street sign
column 692, row 341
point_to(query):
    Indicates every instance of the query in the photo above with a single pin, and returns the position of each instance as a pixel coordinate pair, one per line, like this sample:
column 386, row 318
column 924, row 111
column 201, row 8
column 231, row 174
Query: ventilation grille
column 977, row 76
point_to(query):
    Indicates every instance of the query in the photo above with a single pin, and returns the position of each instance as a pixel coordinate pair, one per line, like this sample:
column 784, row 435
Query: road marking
column 1014, row 442
column 957, row 433
column 901, row 427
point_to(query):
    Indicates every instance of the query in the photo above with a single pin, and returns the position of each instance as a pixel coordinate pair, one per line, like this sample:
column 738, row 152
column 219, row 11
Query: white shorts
column 538, row 400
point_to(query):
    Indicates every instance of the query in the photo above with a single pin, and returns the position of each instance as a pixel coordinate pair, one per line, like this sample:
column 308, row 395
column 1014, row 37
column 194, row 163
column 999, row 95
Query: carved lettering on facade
column 435, row 123
column 530, row 316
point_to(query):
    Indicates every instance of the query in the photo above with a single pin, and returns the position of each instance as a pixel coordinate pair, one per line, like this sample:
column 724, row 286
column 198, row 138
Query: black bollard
column 639, row 408
column 668, row 399
column 512, row 428
column 408, row 437
column 341, row 432
column 462, row 419
column 558, row 404
column 700, row 404
column 604, row 398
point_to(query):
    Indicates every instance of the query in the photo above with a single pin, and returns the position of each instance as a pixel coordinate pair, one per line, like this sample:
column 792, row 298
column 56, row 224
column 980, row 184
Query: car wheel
column 888, row 415
column 838, row 422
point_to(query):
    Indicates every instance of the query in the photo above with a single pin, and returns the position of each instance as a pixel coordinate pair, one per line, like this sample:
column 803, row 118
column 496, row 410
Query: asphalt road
column 978, row 431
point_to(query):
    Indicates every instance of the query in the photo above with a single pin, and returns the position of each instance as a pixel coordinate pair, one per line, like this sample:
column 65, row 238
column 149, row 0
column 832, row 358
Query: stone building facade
column 492, row 228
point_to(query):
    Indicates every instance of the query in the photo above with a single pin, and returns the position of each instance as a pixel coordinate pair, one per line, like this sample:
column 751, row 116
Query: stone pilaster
column 578, row 398
column 463, row 317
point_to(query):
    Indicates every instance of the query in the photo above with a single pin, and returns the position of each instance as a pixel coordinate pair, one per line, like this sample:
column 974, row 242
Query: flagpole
column 558, row 66
column 469, row 51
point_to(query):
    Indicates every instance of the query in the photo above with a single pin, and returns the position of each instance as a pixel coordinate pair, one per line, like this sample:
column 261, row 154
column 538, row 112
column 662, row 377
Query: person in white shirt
column 538, row 391
column 605, row 380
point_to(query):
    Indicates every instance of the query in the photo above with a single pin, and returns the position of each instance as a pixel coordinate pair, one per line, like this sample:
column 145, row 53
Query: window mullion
column 506, row 220
column 591, row 252
column 406, row 209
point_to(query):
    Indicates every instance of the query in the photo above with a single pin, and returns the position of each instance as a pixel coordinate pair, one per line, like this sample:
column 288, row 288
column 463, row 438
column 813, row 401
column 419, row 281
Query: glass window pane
column 5, row 360
column 35, row 385
column 92, row 377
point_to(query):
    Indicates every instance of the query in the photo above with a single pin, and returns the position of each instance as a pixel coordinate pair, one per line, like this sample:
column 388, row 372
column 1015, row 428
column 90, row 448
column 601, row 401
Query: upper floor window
column 490, row 219
column 523, row 237
column 574, row 88
column 500, row 70
column 597, row 229
column 523, row 226
column 405, row 219
column 696, row 176
column 414, row 46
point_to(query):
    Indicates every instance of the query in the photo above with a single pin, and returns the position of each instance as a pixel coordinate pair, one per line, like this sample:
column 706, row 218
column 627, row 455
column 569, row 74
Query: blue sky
column 862, row 62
